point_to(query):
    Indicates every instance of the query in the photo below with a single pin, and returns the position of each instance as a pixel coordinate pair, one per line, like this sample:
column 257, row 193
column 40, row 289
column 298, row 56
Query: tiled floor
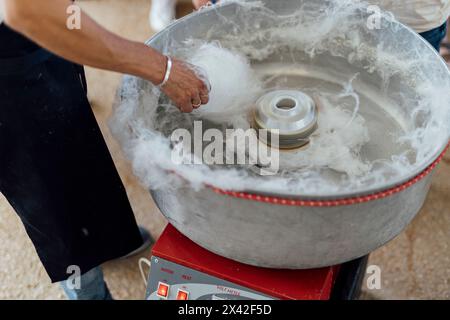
column 414, row 265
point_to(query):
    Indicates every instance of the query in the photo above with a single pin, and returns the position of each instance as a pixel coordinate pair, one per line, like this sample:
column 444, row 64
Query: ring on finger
column 196, row 105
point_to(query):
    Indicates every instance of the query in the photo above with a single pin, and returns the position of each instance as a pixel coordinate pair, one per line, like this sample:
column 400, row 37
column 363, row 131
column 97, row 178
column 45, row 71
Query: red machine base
column 179, row 267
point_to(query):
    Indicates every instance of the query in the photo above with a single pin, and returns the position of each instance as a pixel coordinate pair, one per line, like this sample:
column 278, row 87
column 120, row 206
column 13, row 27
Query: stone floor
column 415, row 265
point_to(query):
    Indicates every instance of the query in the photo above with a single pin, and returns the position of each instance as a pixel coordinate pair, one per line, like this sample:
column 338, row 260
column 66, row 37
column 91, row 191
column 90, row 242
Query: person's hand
column 185, row 86
column 200, row 3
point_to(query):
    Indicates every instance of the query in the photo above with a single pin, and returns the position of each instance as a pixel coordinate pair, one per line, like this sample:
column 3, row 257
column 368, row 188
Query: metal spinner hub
column 289, row 114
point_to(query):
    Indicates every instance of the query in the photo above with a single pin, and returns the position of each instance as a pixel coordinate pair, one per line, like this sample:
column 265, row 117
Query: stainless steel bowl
column 312, row 229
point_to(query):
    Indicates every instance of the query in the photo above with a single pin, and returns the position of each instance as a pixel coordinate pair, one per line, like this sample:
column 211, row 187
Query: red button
column 182, row 295
column 163, row 290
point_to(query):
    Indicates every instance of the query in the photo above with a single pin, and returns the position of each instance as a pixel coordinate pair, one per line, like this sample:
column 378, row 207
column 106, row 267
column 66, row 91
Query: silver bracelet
column 168, row 71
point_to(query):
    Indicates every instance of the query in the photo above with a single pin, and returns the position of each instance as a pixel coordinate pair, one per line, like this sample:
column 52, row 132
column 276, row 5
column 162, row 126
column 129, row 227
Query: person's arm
column 44, row 21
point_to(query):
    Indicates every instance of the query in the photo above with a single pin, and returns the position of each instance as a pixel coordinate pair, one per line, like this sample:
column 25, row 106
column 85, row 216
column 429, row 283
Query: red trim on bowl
column 332, row 203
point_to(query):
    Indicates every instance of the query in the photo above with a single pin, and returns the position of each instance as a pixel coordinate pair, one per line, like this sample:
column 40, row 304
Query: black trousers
column 56, row 170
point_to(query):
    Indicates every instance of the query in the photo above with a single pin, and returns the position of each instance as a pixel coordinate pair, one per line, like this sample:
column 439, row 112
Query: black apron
column 55, row 167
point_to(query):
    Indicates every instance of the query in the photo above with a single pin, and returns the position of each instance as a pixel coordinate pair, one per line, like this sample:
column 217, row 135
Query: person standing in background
column 427, row 17
column 162, row 12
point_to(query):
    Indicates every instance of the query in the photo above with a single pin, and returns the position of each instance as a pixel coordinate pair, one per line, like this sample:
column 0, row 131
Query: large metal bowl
column 266, row 228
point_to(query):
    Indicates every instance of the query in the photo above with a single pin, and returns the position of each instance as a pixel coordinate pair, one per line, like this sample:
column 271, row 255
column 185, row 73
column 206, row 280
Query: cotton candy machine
column 311, row 56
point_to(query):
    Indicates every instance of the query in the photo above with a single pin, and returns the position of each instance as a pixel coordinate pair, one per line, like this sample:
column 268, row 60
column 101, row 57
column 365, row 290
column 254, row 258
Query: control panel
column 171, row 281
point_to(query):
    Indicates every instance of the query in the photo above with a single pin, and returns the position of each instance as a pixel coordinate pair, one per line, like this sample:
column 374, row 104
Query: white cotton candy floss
column 234, row 85
column 336, row 143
